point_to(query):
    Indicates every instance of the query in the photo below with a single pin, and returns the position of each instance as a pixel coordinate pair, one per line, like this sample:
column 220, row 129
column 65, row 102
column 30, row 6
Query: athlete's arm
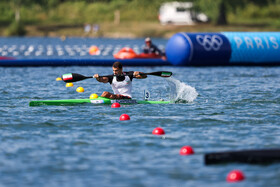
column 138, row 75
column 101, row 79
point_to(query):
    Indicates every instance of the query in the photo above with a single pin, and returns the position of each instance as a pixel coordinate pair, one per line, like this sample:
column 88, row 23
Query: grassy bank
column 137, row 19
column 134, row 29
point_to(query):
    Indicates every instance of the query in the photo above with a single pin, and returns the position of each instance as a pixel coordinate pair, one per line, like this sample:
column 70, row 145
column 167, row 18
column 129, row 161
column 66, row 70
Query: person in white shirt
column 120, row 81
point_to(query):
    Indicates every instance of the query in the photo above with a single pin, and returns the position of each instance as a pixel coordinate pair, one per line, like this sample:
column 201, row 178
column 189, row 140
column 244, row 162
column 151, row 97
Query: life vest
column 122, row 84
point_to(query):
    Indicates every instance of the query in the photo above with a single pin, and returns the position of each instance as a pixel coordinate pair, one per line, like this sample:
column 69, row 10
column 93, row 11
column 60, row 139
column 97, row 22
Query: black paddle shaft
column 74, row 77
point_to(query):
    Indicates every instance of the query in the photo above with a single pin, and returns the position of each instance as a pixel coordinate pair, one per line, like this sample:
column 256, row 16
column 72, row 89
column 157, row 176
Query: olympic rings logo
column 210, row 42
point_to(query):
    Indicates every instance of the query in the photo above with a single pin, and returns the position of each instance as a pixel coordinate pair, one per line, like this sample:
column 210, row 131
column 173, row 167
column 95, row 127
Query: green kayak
column 99, row 100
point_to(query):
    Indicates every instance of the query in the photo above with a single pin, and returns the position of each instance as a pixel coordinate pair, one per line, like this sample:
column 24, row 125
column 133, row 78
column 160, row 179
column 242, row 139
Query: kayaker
column 120, row 81
column 150, row 48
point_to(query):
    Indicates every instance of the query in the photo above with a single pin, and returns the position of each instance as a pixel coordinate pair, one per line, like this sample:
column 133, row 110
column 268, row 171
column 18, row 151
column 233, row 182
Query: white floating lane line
column 49, row 53
column 15, row 53
column 38, row 53
column 26, row 53
column 22, row 47
column 60, row 53
column 31, row 48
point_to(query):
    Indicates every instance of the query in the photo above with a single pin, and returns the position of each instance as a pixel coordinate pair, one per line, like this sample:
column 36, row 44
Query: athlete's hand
column 101, row 78
column 137, row 75
column 97, row 77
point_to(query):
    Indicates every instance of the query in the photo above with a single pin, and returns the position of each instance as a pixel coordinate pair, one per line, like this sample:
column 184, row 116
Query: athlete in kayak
column 120, row 81
column 150, row 48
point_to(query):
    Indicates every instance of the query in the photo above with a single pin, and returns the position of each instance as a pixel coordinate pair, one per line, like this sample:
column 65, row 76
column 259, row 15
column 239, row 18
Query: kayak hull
column 97, row 101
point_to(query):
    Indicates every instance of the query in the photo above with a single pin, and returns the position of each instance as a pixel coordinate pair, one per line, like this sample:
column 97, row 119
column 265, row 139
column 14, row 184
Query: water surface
column 236, row 108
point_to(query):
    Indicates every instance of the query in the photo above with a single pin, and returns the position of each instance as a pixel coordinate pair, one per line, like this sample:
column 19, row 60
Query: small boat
column 99, row 100
column 128, row 53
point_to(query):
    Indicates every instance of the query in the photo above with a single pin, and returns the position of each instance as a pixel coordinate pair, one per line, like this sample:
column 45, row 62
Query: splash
column 181, row 92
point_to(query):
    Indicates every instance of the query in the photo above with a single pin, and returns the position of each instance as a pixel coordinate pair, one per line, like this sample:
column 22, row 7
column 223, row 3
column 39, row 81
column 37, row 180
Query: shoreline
column 131, row 30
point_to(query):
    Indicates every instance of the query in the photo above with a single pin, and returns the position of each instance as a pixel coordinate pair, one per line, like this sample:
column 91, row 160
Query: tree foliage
column 218, row 10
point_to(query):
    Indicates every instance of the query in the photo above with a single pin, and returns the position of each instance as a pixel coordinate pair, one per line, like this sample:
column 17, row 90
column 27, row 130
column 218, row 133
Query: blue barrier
column 45, row 51
column 82, row 62
column 182, row 49
column 254, row 47
column 226, row 48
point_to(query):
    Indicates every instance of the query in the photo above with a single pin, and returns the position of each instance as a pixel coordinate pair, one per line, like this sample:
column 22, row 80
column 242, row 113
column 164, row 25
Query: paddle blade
column 161, row 73
column 73, row 77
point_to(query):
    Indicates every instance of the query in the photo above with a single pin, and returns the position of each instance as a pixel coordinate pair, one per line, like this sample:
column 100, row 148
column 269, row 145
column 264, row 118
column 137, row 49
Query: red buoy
column 186, row 150
column 235, row 176
column 124, row 117
column 158, row 131
column 115, row 105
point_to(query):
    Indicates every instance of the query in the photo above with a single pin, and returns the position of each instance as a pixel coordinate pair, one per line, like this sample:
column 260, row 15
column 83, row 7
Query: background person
column 150, row 48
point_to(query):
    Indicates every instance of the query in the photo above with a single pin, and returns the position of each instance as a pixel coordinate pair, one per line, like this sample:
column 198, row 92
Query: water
column 56, row 48
column 236, row 108
column 220, row 108
column 179, row 92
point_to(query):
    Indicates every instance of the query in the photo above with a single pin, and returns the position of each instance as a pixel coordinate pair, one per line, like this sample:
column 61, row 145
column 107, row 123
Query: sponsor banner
column 208, row 48
column 97, row 101
column 254, row 46
column 124, row 101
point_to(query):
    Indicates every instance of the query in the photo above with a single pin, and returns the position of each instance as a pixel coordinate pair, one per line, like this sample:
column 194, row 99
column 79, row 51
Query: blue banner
column 254, row 47
column 209, row 48
column 198, row 49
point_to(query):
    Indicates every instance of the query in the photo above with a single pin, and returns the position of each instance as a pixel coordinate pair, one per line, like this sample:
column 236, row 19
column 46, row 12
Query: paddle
column 159, row 73
column 74, row 77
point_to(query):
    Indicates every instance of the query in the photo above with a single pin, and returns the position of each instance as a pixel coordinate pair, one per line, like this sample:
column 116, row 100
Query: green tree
column 218, row 10
column 17, row 27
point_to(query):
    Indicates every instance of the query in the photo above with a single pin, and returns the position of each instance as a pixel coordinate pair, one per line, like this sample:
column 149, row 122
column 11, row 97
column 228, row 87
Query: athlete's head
column 148, row 41
column 117, row 68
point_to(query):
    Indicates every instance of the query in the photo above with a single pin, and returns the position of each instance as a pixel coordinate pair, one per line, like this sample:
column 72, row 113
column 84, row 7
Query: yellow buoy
column 58, row 79
column 69, row 84
column 80, row 89
column 93, row 96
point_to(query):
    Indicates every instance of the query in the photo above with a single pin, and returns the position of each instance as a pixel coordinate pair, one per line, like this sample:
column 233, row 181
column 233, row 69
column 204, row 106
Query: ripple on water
column 237, row 108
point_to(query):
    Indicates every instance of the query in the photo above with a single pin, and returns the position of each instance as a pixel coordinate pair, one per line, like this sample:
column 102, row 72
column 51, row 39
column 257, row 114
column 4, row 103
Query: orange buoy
column 94, row 50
